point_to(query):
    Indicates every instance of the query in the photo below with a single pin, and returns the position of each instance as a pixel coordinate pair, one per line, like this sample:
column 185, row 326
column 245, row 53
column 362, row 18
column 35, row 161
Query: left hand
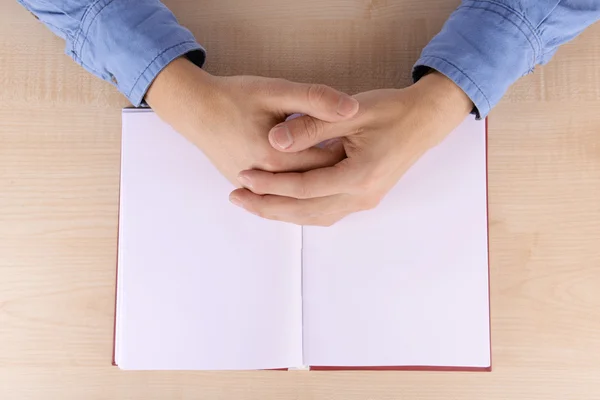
column 229, row 117
column 391, row 131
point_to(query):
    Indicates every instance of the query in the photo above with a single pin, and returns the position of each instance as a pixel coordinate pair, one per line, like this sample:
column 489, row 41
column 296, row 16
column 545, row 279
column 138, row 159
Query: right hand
column 229, row 118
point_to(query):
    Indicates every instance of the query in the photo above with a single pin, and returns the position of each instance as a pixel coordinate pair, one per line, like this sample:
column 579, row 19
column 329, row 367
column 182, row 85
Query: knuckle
column 377, row 174
column 271, row 163
column 365, row 186
column 369, row 181
column 369, row 203
column 329, row 222
column 326, row 224
column 312, row 129
column 303, row 191
column 316, row 93
column 374, row 203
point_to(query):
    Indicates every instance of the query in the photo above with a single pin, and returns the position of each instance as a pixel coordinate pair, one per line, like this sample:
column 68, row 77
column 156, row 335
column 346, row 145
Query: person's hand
column 229, row 118
column 392, row 129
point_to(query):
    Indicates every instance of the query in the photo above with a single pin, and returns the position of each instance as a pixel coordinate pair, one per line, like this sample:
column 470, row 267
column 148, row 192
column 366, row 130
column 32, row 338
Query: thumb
column 319, row 101
column 305, row 132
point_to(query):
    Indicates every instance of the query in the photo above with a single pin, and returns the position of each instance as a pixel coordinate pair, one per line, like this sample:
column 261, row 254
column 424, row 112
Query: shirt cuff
column 484, row 47
column 129, row 45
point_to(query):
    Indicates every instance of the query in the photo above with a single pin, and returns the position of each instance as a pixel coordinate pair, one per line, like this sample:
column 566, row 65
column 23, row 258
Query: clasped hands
column 342, row 156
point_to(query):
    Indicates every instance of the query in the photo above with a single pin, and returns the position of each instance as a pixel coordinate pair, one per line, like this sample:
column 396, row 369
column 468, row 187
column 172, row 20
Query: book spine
column 302, row 290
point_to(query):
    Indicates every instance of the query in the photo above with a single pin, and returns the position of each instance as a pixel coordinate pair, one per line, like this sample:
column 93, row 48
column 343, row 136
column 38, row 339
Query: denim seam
column 535, row 52
column 93, row 19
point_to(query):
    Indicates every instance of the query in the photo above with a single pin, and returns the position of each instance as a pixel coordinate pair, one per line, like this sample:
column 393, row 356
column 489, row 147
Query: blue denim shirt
column 125, row 42
column 484, row 47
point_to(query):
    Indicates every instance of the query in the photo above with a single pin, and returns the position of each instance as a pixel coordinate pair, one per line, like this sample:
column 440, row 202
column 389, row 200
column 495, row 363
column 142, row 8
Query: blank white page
column 201, row 283
column 406, row 284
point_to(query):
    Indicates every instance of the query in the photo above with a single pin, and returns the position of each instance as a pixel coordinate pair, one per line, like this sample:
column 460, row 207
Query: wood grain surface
column 59, row 183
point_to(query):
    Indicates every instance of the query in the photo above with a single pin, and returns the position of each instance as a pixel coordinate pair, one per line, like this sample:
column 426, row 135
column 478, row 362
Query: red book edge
column 357, row 368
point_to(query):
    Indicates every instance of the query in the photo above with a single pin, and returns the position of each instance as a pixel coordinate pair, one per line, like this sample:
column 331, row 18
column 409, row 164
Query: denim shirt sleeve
column 125, row 42
column 486, row 45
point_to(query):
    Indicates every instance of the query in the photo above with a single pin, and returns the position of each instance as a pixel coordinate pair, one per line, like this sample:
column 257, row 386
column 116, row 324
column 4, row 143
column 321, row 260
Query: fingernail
column 281, row 137
column 347, row 106
column 235, row 201
column 245, row 181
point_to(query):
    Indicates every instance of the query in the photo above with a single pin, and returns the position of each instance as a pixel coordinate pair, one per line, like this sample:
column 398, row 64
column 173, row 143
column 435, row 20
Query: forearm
column 126, row 43
column 486, row 45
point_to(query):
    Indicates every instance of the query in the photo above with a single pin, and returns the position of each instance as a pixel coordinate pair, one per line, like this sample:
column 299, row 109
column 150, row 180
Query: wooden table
column 59, row 183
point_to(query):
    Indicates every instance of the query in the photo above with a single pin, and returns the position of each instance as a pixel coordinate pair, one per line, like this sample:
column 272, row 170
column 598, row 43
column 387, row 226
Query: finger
column 319, row 101
column 279, row 208
column 320, row 182
column 312, row 158
column 305, row 132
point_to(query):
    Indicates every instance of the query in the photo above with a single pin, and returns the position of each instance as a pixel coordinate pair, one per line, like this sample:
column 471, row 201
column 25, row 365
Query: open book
column 203, row 284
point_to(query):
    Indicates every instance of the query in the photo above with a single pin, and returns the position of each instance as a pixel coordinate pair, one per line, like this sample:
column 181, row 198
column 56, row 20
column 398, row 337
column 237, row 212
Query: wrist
column 187, row 98
column 176, row 80
column 439, row 106
column 443, row 96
